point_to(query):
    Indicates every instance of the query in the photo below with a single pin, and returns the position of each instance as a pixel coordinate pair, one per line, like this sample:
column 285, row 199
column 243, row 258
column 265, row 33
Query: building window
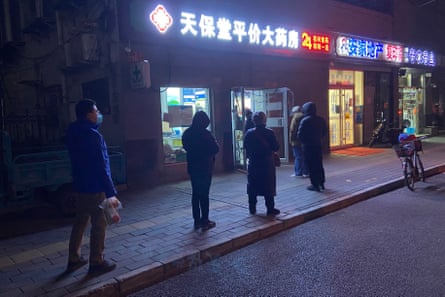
column 178, row 105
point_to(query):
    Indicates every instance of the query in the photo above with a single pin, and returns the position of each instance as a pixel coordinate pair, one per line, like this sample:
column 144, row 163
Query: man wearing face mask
column 92, row 183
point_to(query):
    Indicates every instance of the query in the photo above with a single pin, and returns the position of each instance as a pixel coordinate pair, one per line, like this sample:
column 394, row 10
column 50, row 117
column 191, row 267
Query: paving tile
column 150, row 246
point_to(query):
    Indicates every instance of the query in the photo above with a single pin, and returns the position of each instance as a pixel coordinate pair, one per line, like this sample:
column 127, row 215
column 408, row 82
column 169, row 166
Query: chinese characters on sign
column 206, row 26
column 209, row 27
column 419, row 57
column 369, row 49
column 315, row 42
column 376, row 50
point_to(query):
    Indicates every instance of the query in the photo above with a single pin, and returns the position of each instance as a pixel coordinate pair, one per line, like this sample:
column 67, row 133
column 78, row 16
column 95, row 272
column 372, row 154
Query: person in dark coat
column 311, row 131
column 201, row 149
column 249, row 121
column 260, row 143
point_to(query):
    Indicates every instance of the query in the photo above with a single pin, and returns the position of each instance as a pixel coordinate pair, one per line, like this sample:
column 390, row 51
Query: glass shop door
column 274, row 103
column 341, row 117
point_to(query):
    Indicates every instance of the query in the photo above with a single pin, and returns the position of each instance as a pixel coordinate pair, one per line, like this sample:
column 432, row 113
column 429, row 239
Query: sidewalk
column 156, row 240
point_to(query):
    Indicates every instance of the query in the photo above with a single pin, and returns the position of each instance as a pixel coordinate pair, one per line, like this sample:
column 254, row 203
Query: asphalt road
column 391, row 245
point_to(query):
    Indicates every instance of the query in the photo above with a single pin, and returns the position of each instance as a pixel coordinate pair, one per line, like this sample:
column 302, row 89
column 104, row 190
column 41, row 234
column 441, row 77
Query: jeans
column 299, row 164
column 200, row 196
column 87, row 207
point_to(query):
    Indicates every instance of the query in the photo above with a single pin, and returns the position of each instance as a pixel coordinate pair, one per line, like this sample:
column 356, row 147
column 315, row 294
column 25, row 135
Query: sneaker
column 208, row 225
column 313, row 188
column 296, row 175
column 273, row 212
column 72, row 266
column 101, row 268
column 252, row 209
column 305, row 175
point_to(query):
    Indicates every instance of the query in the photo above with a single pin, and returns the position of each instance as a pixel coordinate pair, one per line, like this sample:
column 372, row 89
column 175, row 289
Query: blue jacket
column 90, row 164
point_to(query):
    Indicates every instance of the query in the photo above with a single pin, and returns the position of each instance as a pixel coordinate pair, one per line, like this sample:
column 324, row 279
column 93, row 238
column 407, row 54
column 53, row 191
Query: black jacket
column 200, row 145
column 312, row 127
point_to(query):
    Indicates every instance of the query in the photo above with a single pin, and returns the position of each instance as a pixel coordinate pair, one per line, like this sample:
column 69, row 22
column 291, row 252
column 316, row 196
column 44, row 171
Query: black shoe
column 252, row 209
column 273, row 212
column 322, row 187
column 313, row 188
column 101, row 268
column 208, row 225
column 72, row 266
column 197, row 225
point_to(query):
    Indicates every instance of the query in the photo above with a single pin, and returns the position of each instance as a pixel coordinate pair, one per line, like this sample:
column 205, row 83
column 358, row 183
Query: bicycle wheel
column 421, row 170
column 408, row 171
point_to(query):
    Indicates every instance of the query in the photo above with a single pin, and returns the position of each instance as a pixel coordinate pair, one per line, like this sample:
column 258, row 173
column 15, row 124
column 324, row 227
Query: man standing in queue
column 201, row 149
column 311, row 131
column 92, row 183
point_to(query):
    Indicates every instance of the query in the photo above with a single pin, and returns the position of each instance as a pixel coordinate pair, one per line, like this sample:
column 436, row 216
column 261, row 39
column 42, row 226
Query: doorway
column 341, row 117
column 274, row 103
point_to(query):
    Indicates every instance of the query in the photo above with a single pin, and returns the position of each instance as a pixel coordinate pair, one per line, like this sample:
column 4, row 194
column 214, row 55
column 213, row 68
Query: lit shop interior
column 412, row 103
column 178, row 105
column 345, row 107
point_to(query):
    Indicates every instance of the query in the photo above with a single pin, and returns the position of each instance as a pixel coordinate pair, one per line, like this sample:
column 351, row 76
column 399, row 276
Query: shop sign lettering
column 368, row 49
column 209, row 27
column 419, row 57
column 378, row 50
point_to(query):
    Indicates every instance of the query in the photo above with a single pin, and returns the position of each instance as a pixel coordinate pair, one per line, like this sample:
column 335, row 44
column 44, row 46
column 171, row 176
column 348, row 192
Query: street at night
column 390, row 245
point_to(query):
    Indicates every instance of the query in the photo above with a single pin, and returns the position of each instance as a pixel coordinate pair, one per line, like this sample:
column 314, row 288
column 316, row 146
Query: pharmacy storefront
column 225, row 62
column 224, row 65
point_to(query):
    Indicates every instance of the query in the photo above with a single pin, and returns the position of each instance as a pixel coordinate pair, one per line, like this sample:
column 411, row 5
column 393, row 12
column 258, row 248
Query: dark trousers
column 314, row 160
column 87, row 206
column 200, row 196
column 269, row 201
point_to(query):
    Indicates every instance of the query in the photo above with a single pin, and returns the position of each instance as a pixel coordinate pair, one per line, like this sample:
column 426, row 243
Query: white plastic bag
column 110, row 207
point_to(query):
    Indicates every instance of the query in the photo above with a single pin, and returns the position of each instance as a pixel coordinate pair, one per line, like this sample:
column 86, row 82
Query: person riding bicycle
column 405, row 144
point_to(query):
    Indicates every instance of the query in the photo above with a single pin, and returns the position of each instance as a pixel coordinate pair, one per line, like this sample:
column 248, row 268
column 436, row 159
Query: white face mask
column 100, row 119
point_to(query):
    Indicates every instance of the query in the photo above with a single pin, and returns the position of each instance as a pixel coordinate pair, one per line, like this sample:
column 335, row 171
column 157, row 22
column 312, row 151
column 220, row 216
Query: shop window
column 178, row 105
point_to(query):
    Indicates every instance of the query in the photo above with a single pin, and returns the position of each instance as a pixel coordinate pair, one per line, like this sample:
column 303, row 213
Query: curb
column 143, row 277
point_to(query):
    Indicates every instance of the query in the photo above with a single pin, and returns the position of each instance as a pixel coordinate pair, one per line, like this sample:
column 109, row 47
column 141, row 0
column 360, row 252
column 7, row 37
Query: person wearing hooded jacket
column 311, row 131
column 260, row 143
column 300, row 169
column 201, row 148
column 92, row 183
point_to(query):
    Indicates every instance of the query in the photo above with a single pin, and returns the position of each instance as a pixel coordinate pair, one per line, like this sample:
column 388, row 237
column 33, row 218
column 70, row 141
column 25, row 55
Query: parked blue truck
column 27, row 179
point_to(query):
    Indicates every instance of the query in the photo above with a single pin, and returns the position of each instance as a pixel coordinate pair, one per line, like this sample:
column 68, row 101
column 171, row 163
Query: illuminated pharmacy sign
column 368, row 49
column 238, row 31
column 419, row 57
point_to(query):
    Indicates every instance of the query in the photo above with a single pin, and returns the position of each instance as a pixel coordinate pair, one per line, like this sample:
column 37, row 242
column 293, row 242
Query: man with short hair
column 92, row 184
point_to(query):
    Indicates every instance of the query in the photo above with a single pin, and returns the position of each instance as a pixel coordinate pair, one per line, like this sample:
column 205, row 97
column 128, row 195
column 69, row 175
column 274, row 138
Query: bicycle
column 408, row 153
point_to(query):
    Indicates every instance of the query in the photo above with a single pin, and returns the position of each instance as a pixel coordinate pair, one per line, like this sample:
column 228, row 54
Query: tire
column 65, row 200
column 408, row 171
column 420, row 168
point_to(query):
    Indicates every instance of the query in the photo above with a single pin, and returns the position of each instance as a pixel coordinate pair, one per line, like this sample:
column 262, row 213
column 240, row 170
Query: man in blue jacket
column 92, row 183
